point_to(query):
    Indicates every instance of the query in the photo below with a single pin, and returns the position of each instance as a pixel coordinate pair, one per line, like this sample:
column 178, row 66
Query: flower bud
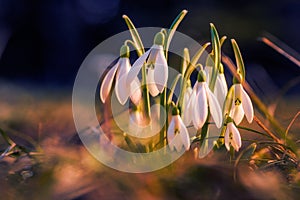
column 201, row 76
column 159, row 39
column 124, row 51
column 175, row 111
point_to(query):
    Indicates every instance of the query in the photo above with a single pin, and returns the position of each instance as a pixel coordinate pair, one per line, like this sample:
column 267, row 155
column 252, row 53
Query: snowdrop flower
column 120, row 71
column 241, row 105
column 221, row 88
column 177, row 134
column 232, row 136
column 157, row 67
column 202, row 99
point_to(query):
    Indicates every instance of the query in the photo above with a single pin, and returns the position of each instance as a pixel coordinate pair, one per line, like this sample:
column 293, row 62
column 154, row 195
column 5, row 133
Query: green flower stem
column 164, row 108
column 135, row 36
column 253, row 131
column 172, row 30
column 138, row 45
column 197, row 139
column 172, row 89
column 216, row 50
column 145, row 93
column 190, row 68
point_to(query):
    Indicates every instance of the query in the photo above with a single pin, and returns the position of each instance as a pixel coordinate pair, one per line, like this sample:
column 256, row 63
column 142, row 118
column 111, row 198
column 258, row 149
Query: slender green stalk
column 164, row 109
column 216, row 50
column 145, row 94
column 253, row 131
column 216, row 47
column 138, row 44
column 135, row 36
column 172, row 30
column 190, row 68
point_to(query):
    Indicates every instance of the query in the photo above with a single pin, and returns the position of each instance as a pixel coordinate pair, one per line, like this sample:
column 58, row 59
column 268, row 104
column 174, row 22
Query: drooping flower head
column 232, row 136
column 241, row 103
column 177, row 134
column 200, row 101
column 156, row 64
column 119, row 72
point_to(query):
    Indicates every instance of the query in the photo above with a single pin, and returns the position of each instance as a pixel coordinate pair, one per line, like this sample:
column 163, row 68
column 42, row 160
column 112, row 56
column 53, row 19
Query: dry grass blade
column 266, row 129
column 260, row 105
column 281, row 48
column 291, row 123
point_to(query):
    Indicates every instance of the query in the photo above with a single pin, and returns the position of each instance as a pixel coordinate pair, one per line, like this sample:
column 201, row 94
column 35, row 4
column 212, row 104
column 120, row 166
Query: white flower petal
column 200, row 107
column 154, row 51
column 177, row 142
column 214, row 107
column 226, row 138
column 121, row 89
column 171, row 131
column 221, row 89
column 247, row 106
column 136, row 67
column 135, row 91
column 187, row 95
column 208, row 72
column 189, row 109
column 237, row 114
column 161, row 70
column 236, row 138
column 224, row 83
column 107, row 82
column 151, row 84
column 237, row 111
column 184, row 135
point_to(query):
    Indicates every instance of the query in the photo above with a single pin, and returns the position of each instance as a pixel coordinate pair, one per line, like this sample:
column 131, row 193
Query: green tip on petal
column 175, row 111
column 201, row 76
column 228, row 120
column 124, row 51
column 159, row 38
column 221, row 69
column 237, row 79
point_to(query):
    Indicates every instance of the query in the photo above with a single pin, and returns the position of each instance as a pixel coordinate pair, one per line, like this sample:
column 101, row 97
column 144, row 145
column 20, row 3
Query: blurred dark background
column 45, row 41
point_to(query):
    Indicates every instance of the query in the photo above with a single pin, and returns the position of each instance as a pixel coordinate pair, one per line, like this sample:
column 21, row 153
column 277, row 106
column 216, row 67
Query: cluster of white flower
column 209, row 98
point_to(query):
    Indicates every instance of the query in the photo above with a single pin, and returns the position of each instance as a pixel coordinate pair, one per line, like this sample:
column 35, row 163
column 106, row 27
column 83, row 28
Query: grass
column 48, row 160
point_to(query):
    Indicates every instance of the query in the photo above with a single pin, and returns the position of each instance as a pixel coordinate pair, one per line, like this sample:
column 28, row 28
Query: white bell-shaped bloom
column 120, row 71
column 206, row 99
column 157, row 67
column 221, row 89
column 177, row 134
column 241, row 105
column 232, row 137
